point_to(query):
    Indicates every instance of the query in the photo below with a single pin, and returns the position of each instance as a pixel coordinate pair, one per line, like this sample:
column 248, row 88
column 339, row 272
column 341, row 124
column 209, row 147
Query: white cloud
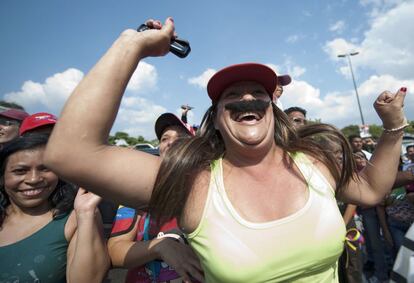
column 143, row 79
column 337, row 27
column 387, row 47
column 339, row 46
column 137, row 117
column 48, row 96
column 341, row 108
column 202, row 80
column 292, row 39
column 288, row 67
column 379, row 7
column 297, row 71
column 275, row 68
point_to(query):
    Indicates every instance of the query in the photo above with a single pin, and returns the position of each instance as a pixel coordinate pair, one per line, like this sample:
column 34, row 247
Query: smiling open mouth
column 247, row 116
column 33, row 192
column 247, row 111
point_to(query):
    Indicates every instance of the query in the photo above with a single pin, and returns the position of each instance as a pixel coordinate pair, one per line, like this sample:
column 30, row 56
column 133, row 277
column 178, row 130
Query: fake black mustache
column 247, row 106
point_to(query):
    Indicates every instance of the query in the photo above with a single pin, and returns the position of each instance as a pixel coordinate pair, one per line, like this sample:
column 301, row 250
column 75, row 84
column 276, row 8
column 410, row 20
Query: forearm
column 381, row 170
column 349, row 213
column 129, row 254
column 90, row 260
column 90, row 111
column 382, row 218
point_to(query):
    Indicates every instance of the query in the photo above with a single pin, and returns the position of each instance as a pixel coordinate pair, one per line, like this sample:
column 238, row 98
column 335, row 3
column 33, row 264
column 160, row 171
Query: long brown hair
column 190, row 156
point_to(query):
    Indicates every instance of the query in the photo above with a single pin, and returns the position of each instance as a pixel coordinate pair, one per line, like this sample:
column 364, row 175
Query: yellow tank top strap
column 313, row 176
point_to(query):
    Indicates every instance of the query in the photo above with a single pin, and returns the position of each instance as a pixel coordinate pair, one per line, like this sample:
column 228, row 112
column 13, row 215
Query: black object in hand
column 178, row 46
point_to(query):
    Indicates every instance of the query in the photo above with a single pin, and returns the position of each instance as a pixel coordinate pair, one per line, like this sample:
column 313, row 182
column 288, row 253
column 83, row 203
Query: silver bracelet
column 171, row 236
column 400, row 128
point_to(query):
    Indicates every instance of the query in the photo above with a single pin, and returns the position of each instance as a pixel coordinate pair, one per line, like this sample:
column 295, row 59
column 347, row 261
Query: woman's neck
column 28, row 211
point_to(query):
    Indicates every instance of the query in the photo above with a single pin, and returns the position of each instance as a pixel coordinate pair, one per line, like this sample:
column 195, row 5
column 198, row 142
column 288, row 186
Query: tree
column 129, row 140
column 350, row 130
column 375, row 130
column 410, row 129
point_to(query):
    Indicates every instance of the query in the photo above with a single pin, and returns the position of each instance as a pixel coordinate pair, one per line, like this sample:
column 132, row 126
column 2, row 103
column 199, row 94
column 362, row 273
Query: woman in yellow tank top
column 255, row 196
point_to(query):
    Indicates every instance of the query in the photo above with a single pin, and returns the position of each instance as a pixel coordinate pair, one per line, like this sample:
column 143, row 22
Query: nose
column 34, row 177
column 170, row 142
column 248, row 96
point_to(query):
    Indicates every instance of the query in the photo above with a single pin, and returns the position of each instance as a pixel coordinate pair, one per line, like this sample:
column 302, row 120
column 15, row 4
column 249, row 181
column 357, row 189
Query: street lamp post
column 348, row 55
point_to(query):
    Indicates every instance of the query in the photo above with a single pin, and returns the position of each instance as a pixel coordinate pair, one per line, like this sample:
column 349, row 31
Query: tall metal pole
column 348, row 55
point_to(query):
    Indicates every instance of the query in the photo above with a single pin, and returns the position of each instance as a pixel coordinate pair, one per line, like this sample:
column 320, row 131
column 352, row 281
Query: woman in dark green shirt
column 45, row 234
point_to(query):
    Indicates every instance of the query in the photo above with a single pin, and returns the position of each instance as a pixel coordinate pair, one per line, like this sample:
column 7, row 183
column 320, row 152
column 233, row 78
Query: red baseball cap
column 259, row 73
column 37, row 120
column 15, row 114
column 169, row 119
column 284, row 80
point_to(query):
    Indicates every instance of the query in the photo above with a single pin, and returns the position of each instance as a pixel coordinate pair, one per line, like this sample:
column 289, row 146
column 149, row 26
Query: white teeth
column 247, row 114
column 31, row 192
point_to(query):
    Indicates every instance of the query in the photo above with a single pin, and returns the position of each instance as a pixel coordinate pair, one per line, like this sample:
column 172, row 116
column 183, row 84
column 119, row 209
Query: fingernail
column 403, row 89
column 171, row 19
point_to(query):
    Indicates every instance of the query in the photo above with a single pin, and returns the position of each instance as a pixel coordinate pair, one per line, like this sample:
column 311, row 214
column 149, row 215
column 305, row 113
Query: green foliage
column 410, row 129
column 350, row 130
column 129, row 140
column 375, row 130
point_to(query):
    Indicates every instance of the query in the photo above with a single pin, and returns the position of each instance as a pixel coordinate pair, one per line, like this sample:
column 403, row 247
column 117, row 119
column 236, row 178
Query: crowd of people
column 256, row 193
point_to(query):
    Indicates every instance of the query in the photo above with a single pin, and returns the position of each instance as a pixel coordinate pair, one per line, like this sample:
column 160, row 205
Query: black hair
column 352, row 137
column 409, row 146
column 61, row 199
column 295, row 109
column 13, row 105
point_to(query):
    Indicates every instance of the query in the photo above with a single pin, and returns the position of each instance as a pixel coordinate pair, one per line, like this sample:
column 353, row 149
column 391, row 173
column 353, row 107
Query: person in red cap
column 255, row 197
column 10, row 121
column 39, row 123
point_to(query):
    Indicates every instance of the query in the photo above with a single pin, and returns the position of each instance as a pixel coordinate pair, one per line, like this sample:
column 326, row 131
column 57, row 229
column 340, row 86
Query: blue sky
column 48, row 46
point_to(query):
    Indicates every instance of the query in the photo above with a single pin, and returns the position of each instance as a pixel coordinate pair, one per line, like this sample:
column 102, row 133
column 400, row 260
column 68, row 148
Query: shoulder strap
column 315, row 179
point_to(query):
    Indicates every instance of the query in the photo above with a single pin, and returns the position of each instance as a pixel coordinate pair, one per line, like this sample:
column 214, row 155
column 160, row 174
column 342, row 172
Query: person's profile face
column 169, row 136
column 297, row 118
column 277, row 93
column 356, row 144
column 360, row 160
column 410, row 153
column 9, row 129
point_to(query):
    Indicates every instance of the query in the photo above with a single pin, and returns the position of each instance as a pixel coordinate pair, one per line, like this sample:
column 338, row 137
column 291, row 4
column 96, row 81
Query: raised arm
column 78, row 149
column 378, row 177
column 87, row 256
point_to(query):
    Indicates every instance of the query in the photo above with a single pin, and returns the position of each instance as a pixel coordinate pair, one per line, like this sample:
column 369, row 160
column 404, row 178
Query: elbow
column 50, row 157
column 53, row 159
column 115, row 258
